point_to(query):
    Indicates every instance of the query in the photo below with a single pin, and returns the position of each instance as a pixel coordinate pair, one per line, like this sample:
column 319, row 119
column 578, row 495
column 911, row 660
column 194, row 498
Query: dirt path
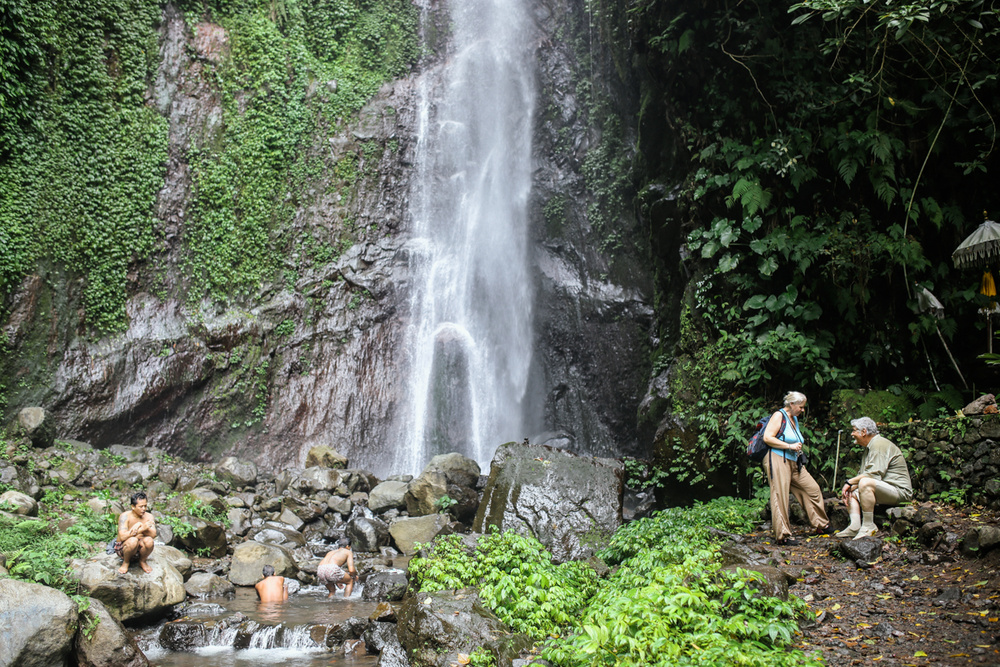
column 912, row 606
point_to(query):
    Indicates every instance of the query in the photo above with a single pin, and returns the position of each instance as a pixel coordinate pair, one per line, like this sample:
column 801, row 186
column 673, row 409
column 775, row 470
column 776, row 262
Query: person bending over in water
column 136, row 530
column 331, row 571
column 271, row 588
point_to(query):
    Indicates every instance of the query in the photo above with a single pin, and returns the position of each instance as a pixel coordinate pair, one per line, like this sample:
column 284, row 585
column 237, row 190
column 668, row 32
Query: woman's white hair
column 794, row 398
column 866, row 425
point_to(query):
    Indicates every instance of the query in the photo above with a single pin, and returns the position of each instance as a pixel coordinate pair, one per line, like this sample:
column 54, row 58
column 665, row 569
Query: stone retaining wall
column 951, row 456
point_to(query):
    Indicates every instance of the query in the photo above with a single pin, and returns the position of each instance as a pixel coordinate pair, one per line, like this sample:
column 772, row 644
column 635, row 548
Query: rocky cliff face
column 314, row 356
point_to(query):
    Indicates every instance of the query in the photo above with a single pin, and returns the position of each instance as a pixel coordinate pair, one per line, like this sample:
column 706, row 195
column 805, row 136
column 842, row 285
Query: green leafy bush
column 669, row 602
column 37, row 552
column 516, row 579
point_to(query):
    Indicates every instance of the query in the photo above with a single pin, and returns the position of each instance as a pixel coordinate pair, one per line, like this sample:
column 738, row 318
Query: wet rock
column 207, row 498
column 359, row 498
column 19, row 503
column 288, row 518
column 37, row 425
column 102, row 641
column 249, row 559
column 383, row 638
column 466, row 503
column 177, row 558
column 207, row 585
column 38, row 624
column 409, row 532
column 457, row 469
column 384, row 612
column 359, row 481
column 387, row 495
column 637, row 504
column 279, row 534
column 135, row 595
column 367, row 534
column 570, row 503
column 424, row 492
column 237, row 472
column 183, row 635
column 207, row 536
column 239, row 521
column 434, row 628
column 325, row 457
column 388, row 586
column 863, row 551
column 339, row 505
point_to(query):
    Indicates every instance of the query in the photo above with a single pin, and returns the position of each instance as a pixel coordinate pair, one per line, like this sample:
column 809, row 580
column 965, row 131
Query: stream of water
column 471, row 339
column 282, row 633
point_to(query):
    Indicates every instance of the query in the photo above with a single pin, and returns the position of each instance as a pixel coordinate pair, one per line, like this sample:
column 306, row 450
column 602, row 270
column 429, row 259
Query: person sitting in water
column 331, row 571
column 271, row 588
column 136, row 531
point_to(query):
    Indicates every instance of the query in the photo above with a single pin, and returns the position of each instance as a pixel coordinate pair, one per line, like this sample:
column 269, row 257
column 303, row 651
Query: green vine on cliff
column 82, row 155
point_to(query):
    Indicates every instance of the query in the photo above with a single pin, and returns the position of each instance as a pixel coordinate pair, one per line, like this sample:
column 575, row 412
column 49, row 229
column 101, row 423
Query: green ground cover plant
column 37, row 552
column 668, row 602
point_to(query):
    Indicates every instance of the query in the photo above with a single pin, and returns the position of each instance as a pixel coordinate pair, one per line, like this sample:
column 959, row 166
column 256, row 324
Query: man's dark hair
column 268, row 570
column 137, row 496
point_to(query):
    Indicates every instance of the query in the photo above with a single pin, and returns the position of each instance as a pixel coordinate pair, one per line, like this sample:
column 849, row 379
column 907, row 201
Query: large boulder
column 367, row 533
column 175, row 557
column 569, row 503
column 208, row 585
column 279, row 534
column 207, row 537
column 18, row 503
column 387, row 496
column 250, row 558
column 37, row 425
column 456, row 468
column 434, row 628
column 37, row 624
column 135, row 595
column 325, row 457
column 388, row 586
column 103, row 642
column 424, row 492
column 236, row 472
column 409, row 532
column 309, row 481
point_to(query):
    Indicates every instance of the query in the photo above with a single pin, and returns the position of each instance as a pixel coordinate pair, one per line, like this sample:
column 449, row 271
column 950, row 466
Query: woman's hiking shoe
column 847, row 532
column 787, row 542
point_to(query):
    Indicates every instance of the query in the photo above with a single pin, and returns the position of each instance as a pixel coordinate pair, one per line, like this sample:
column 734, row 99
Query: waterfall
column 471, row 334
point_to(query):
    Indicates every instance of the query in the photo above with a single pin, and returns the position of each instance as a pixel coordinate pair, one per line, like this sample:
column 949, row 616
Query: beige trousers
column 805, row 489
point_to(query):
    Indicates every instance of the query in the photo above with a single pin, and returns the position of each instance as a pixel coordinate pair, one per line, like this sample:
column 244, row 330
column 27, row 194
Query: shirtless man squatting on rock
column 271, row 588
column 136, row 531
column 331, row 573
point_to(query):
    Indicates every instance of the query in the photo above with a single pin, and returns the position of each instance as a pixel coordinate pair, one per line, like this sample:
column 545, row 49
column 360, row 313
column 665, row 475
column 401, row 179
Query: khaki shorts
column 887, row 494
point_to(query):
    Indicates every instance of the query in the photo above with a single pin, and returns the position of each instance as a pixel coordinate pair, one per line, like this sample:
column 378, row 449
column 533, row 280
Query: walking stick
column 836, row 461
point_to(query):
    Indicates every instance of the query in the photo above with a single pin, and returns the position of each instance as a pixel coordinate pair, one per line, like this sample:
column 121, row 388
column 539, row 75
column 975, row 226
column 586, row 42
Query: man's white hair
column 794, row 398
column 866, row 425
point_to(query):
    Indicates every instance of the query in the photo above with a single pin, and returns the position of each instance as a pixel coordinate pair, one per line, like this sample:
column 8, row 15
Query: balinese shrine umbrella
column 980, row 249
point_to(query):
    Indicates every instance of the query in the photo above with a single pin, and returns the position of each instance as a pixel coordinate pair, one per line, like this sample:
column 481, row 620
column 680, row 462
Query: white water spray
column 471, row 338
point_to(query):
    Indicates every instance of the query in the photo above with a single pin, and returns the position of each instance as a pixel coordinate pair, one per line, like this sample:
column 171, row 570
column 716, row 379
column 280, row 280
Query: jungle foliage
column 834, row 154
column 667, row 603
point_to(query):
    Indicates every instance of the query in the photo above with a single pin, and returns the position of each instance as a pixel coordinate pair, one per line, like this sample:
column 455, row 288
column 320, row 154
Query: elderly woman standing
column 783, row 436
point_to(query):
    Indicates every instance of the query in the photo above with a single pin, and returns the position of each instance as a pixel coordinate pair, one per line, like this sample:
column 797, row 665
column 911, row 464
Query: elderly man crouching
column 883, row 479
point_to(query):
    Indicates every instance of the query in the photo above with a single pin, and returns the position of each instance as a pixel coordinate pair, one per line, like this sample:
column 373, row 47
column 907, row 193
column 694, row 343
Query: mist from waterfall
column 471, row 336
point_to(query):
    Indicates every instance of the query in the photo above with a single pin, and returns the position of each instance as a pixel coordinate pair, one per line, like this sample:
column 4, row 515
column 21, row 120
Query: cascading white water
column 471, row 339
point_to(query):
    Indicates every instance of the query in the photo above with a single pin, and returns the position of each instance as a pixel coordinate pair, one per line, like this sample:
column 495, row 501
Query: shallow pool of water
column 283, row 636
